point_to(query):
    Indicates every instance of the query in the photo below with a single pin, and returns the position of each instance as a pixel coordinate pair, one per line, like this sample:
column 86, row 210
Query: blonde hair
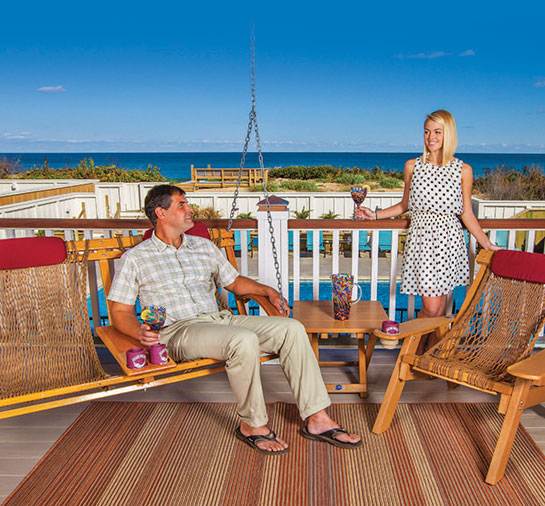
column 450, row 138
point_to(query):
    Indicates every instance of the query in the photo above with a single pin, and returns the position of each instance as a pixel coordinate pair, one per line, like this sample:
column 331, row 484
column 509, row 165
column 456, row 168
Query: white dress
column 435, row 258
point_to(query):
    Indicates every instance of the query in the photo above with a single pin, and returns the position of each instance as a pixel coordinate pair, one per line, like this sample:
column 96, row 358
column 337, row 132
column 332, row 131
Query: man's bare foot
column 268, row 446
column 321, row 422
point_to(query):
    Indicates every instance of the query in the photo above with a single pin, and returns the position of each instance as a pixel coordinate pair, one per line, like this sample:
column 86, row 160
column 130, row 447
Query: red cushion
column 31, row 252
column 197, row 229
column 519, row 265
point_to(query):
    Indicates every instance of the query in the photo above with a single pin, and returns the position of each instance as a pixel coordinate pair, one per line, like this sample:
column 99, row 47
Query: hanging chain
column 253, row 123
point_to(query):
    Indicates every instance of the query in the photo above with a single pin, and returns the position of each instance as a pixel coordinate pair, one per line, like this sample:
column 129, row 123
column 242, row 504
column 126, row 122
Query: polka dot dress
column 435, row 257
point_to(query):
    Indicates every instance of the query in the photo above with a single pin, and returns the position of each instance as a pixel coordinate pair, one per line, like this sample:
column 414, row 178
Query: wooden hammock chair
column 488, row 348
column 48, row 357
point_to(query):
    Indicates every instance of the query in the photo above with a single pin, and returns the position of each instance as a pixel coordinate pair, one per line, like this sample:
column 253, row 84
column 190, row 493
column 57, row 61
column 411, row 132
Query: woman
column 437, row 193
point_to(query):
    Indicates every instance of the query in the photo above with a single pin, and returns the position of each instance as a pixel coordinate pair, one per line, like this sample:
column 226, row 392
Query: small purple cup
column 390, row 327
column 136, row 358
column 158, row 354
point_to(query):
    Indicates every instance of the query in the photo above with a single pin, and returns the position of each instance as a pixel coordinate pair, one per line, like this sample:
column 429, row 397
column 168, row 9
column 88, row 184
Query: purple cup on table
column 158, row 354
column 136, row 358
column 390, row 327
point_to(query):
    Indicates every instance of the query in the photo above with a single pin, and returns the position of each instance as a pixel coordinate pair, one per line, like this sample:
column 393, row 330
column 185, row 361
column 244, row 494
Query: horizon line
column 255, row 152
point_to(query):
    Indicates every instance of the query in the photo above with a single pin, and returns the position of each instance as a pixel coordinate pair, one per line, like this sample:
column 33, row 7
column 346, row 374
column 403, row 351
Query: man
column 180, row 272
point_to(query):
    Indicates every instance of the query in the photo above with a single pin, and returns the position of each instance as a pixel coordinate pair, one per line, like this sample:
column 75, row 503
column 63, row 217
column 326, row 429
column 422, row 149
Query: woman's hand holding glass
column 364, row 213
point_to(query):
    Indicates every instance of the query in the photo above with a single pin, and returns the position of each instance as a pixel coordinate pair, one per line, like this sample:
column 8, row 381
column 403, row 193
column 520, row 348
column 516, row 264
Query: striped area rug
column 186, row 454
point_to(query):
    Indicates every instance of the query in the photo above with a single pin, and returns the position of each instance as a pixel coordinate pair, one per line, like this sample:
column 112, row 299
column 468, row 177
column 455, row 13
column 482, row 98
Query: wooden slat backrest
column 224, row 240
column 103, row 252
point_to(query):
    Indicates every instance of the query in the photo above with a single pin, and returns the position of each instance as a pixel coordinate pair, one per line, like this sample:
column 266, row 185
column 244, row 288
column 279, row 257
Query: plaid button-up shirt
column 182, row 280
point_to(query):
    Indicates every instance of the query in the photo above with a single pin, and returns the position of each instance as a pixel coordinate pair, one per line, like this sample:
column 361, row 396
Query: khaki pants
column 238, row 340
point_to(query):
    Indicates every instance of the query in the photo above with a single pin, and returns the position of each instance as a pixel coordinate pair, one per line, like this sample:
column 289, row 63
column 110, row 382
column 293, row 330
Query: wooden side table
column 365, row 316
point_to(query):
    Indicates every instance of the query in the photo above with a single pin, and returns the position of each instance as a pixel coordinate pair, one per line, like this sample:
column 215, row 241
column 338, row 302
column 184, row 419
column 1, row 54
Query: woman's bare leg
column 431, row 307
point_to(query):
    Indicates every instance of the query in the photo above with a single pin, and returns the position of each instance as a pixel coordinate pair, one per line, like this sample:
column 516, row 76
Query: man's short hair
column 160, row 196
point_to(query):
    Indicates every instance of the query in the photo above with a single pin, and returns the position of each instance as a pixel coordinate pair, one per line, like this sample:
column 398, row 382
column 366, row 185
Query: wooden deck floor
column 25, row 439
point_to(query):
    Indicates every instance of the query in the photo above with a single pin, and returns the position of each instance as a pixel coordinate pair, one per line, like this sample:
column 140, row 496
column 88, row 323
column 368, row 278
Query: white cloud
column 540, row 83
column 485, row 147
column 281, row 143
column 433, row 54
column 429, row 56
column 52, row 89
column 7, row 135
column 213, row 141
column 71, row 141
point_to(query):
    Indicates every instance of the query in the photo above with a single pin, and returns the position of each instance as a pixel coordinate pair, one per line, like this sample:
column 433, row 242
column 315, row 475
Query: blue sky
column 346, row 76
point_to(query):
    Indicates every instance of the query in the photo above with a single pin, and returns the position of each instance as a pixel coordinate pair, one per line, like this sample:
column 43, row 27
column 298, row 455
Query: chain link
column 253, row 123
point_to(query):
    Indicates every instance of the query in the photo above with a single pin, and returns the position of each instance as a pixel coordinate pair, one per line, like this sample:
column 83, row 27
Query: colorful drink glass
column 342, row 287
column 154, row 316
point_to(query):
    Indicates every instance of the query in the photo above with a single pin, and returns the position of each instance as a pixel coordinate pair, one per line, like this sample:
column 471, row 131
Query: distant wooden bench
column 224, row 178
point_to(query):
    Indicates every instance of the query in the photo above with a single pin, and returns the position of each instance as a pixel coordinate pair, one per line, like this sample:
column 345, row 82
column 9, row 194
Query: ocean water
column 178, row 165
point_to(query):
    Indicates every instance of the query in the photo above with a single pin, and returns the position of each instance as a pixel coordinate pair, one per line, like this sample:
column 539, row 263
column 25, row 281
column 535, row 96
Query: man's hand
column 125, row 320
column 243, row 286
column 274, row 298
column 146, row 336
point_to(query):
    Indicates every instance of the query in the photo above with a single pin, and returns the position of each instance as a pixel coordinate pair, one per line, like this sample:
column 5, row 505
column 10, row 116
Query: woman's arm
column 468, row 217
column 364, row 213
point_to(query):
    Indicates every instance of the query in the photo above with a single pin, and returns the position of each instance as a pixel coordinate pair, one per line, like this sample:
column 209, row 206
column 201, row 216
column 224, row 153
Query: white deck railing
column 509, row 233
column 311, row 261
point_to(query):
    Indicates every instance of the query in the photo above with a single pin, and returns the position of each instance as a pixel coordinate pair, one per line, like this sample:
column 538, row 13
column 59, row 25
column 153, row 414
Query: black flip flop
column 329, row 437
column 253, row 441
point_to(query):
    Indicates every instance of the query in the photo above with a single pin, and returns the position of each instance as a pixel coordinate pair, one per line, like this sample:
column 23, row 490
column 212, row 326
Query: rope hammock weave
column 45, row 335
column 498, row 329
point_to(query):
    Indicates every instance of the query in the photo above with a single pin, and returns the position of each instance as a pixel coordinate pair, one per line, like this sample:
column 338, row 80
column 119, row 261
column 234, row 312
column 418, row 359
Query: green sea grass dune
column 86, row 169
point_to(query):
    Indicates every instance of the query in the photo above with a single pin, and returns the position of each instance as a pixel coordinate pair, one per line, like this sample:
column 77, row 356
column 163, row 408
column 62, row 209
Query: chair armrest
column 416, row 327
column 531, row 368
column 263, row 302
column 118, row 344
